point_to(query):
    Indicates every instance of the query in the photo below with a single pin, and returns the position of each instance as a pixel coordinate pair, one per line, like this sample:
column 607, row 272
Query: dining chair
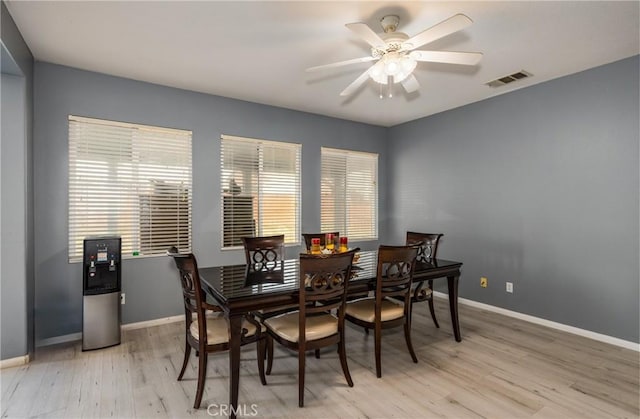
column 324, row 281
column 391, row 304
column 206, row 330
column 323, row 238
column 427, row 251
column 264, row 253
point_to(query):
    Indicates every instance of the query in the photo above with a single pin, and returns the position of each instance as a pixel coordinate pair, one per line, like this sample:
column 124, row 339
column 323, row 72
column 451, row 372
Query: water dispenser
column 101, row 280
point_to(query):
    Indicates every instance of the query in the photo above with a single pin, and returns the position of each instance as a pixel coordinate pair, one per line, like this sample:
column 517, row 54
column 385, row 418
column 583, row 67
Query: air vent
column 509, row 79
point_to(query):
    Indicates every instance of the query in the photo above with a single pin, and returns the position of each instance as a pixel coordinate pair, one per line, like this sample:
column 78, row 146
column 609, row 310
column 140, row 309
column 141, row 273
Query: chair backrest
column 324, row 278
column 192, row 293
column 322, row 237
column 264, row 253
column 428, row 244
column 396, row 265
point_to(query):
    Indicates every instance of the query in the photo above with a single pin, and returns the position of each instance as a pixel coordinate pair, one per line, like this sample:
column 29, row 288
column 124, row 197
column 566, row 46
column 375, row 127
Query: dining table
column 241, row 289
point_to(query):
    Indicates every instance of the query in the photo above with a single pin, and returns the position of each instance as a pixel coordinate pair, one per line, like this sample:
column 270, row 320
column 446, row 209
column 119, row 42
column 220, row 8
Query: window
column 129, row 180
column 260, row 187
column 349, row 193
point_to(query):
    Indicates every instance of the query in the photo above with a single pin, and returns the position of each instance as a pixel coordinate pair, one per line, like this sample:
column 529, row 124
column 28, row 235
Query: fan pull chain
column 389, row 92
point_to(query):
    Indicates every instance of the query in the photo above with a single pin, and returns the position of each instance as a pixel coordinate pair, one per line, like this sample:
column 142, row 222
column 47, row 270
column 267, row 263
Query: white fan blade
column 410, row 84
column 366, row 33
column 360, row 80
column 440, row 30
column 450, row 57
column 341, row 63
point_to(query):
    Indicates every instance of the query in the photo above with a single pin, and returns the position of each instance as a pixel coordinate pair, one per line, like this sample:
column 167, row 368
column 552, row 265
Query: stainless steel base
column 100, row 320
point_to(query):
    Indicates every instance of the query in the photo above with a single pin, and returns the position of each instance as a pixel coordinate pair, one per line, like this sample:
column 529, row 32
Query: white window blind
column 129, row 180
column 349, row 193
column 260, row 187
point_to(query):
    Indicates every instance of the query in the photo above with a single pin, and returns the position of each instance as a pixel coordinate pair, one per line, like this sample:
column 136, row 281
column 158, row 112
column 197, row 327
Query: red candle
column 328, row 242
column 315, row 246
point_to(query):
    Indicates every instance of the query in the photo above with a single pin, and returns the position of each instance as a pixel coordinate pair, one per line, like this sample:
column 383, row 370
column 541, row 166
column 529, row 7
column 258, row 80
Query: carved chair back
column 395, row 268
column 264, row 253
column 428, row 244
column 192, row 294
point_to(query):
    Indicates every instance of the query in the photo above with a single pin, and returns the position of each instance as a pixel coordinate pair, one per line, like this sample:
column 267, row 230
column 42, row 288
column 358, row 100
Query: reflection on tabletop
column 264, row 274
column 245, row 280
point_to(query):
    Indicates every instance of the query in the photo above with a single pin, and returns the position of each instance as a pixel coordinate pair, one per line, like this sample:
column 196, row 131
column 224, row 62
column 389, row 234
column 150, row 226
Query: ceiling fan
column 396, row 54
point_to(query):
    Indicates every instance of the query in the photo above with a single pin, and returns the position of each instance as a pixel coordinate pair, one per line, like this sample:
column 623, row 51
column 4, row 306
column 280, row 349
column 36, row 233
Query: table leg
column 235, row 332
column 452, row 284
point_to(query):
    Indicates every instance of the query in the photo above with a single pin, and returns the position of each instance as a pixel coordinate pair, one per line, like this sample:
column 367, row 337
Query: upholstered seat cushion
column 317, row 327
column 218, row 329
column 364, row 309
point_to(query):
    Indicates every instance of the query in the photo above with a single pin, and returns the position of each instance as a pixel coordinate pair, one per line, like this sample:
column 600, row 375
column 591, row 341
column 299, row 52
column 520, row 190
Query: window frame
column 258, row 203
column 349, row 155
column 143, row 194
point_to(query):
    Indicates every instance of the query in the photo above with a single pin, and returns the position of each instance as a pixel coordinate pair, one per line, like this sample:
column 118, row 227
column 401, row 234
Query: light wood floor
column 503, row 368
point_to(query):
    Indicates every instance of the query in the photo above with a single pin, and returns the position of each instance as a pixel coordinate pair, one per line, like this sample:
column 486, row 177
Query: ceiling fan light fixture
column 392, row 67
column 397, row 67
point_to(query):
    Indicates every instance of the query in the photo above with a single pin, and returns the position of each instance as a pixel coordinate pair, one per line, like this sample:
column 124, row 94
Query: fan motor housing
column 393, row 41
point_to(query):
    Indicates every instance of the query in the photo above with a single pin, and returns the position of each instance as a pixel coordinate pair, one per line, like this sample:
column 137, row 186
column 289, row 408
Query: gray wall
column 17, row 286
column 539, row 187
column 151, row 284
column 13, row 243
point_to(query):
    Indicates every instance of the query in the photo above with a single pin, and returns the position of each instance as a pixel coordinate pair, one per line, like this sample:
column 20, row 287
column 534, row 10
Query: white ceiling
column 258, row 51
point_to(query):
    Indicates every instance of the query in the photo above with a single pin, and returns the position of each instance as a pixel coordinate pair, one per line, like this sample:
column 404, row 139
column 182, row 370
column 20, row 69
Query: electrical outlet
column 484, row 281
column 122, row 298
column 510, row 287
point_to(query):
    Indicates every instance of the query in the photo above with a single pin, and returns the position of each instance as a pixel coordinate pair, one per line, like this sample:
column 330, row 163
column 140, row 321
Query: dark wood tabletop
column 237, row 288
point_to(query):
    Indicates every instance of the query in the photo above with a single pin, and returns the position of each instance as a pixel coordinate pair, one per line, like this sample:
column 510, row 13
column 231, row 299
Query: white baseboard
column 129, row 326
column 14, row 362
column 548, row 323
column 155, row 322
